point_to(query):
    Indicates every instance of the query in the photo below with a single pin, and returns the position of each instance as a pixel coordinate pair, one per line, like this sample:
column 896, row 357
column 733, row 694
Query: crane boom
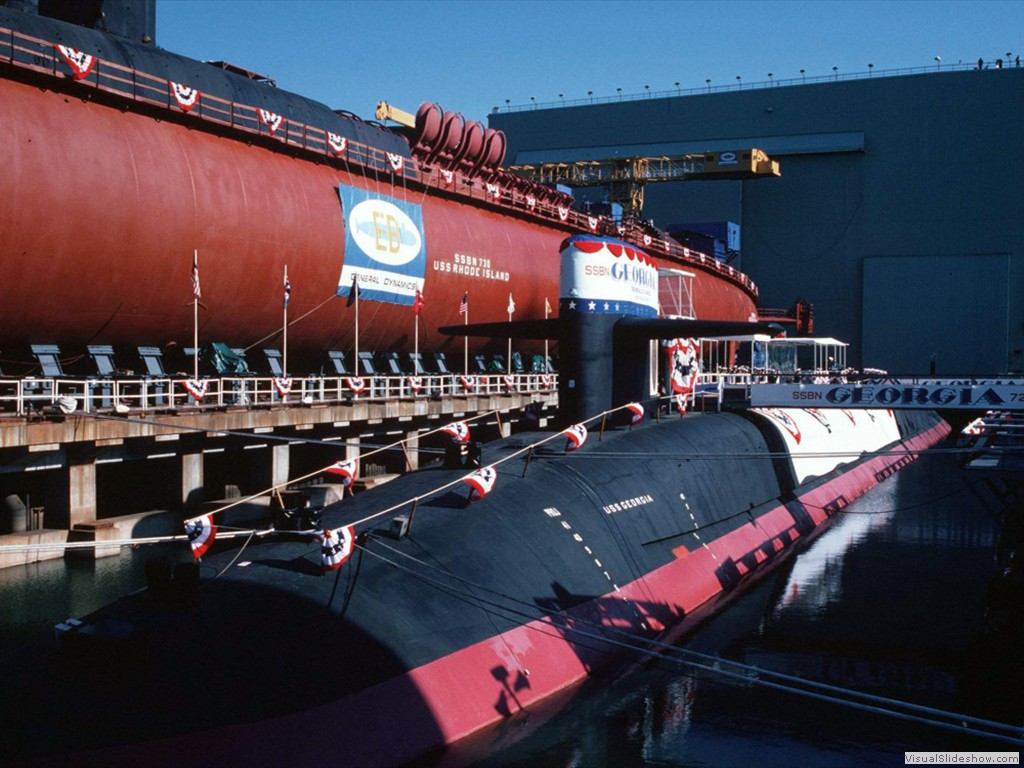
column 387, row 112
column 625, row 177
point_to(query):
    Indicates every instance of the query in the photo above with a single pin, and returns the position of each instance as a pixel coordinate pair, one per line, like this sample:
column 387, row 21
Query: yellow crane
column 625, row 177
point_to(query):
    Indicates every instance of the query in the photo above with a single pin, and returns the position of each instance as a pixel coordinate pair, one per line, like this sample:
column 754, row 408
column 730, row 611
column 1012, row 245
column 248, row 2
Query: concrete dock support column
column 191, row 480
column 353, row 449
column 412, row 450
column 279, row 456
column 81, row 492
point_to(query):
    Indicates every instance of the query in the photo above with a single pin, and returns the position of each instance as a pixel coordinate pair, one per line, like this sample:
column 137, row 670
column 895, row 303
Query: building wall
column 925, row 171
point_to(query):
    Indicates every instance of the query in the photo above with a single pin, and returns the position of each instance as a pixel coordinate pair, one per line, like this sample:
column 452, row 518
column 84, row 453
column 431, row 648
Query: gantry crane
column 625, row 177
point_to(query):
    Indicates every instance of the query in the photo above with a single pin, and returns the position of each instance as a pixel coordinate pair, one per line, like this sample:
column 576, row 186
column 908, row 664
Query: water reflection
column 36, row 596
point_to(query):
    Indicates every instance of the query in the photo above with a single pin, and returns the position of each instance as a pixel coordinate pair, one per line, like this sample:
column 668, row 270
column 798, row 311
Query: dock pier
column 100, row 474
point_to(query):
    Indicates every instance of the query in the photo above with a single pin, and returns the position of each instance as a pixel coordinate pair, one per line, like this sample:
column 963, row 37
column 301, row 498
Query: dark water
column 33, row 598
column 893, row 598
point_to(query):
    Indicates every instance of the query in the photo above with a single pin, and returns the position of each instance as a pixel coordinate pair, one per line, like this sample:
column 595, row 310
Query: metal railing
column 44, row 396
column 740, row 85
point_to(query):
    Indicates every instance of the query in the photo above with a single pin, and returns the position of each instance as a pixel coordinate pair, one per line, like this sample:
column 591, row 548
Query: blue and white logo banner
column 385, row 249
column 604, row 275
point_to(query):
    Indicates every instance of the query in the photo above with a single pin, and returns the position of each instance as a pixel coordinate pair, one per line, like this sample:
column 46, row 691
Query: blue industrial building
column 899, row 213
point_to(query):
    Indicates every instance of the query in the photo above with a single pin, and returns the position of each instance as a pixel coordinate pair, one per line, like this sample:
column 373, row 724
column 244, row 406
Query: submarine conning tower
column 607, row 317
column 603, row 281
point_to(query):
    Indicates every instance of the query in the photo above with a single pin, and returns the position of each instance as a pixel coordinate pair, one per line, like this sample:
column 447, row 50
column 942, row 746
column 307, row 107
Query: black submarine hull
column 481, row 610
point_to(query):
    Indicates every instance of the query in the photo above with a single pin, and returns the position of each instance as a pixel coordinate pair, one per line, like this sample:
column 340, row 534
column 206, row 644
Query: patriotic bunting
column 531, row 201
column 468, row 382
column 563, row 212
column 283, row 385
column 481, row 482
column 336, row 546
column 338, row 144
column 415, row 383
column 186, row 96
column 81, row 63
column 397, row 162
column 459, row 430
column 546, row 380
column 346, row 470
column 494, row 191
column 271, row 120
column 509, row 380
column 201, row 532
column 197, row 388
column 976, row 427
column 681, row 404
column 449, row 178
column 592, row 223
column 636, row 412
column 357, row 384
column 577, row 435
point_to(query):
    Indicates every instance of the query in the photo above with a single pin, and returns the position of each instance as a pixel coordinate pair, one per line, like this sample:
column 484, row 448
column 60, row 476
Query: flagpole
column 508, row 360
column 195, row 315
column 547, row 309
column 284, row 330
column 465, row 339
column 355, row 284
column 416, row 340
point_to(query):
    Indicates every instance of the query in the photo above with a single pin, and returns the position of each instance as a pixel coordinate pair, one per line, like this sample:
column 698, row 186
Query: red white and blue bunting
column 468, row 382
column 346, row 470
column 480, row 482
column 201, row 532
column 563, row 212
column 546, row 380
column 415, row 383
column 494, row 191
column 271, row 119
column 81, row 63
column 336, row 546
column 356, row 383
column 197, row 388
column 397, row 162
column 684, row 364
column 338, row 144
column 577, row 435
column 449, row 178
column 636, row 412
column 459, row 431
column 509, row 381
column 592, row 222
column 185, row 96
column 283, row 385
column 531, row 201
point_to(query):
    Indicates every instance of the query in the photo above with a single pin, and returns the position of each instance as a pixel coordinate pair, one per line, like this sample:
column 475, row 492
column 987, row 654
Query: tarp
column 223, row 359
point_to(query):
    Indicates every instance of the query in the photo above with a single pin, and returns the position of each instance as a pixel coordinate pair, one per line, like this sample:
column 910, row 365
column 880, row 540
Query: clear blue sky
column 472, row 55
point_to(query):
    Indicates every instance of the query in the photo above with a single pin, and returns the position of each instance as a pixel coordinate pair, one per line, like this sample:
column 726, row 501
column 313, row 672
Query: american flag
column 464, row 304
column 417, row 303
column 195, row 276
column 287, row 290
